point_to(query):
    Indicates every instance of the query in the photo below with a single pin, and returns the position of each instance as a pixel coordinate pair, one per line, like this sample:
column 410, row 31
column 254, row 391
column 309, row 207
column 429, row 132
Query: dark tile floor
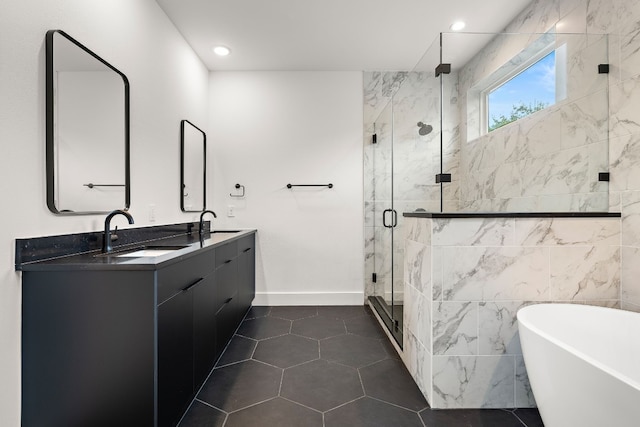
column 325, row 367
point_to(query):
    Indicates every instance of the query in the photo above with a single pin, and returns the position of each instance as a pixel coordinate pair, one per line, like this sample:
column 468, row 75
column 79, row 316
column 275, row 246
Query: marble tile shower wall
column 465, row 279
column 394, row 102
column 620, row 20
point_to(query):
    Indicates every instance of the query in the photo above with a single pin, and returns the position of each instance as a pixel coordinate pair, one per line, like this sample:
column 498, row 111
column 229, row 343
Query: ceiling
column 327, row 35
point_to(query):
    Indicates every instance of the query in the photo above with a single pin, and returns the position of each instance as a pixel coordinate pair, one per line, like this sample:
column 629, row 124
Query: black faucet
column 106, row 244
column 200, row 230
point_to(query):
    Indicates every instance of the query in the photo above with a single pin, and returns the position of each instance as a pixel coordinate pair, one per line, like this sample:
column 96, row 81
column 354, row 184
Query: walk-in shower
column 431, row 143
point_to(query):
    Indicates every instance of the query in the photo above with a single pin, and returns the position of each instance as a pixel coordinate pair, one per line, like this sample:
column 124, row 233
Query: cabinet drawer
column 176, row 277
column 226, row 277
column 246, row 244
column 226, row 252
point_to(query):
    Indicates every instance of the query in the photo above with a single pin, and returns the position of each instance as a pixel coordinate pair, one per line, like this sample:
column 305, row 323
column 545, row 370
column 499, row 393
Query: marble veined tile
column 455, row 328
column 585, row 120
column 603, row 16
column 630, row 272
column 436, row 275
column 473, row 382
column 585, row 272
column 498, row 331
column 417, row 359
column 539, row 132
column 623, row 107
column 624, row 152
column 495, row 273
column 582, row 62
column 418, row 230
column 473, row 232
column 563, row 172
column 630, row 44
column 417, row 266
column 567, row 231
column 417, row 315
column 631, row 218
column 630, row 306
column 524, row 393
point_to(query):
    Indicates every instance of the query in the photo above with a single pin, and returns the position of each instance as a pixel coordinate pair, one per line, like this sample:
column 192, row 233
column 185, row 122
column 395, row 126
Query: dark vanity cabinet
column 186, row 332
column 129, row 346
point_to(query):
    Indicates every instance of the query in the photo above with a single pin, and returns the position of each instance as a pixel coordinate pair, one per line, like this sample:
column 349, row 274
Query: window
column 531, row 90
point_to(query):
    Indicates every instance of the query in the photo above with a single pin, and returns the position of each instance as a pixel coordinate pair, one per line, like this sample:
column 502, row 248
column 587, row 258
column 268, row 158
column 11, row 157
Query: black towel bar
column 309, row 185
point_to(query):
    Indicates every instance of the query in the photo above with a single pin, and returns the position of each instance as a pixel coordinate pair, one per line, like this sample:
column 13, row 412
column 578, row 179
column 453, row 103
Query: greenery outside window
column 531, row 89
column 525, row 74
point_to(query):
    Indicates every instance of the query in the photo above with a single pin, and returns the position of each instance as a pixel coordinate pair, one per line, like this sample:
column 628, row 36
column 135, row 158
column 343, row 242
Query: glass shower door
column 384, row 219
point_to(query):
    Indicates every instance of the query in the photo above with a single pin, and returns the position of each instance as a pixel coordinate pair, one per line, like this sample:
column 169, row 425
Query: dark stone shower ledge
column 511, row 214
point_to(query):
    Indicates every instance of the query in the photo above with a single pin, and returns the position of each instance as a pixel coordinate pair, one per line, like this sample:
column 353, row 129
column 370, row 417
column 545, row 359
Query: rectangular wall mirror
column 87, row 130
column 193, row 167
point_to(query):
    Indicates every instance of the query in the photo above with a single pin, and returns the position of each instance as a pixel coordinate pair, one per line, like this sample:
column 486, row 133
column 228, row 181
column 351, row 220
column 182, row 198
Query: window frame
column 536, row 57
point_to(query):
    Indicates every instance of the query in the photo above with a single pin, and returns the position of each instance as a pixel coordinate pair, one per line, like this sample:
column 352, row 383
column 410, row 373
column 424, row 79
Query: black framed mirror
column 87, row 130
column 193, row 168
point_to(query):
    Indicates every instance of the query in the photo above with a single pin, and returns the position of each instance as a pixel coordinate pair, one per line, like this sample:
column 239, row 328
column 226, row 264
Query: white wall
column 168, row 83
column 268, row 129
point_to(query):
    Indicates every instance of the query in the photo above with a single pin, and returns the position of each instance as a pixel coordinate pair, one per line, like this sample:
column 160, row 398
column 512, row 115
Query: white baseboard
column 309, row 298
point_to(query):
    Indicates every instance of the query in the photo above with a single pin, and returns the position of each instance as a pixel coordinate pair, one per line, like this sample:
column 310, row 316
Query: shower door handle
column 384, row 218
column 394, row 218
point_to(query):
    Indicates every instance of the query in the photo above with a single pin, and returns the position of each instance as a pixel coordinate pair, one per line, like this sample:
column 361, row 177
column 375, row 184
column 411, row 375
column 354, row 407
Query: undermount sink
column 147, row 251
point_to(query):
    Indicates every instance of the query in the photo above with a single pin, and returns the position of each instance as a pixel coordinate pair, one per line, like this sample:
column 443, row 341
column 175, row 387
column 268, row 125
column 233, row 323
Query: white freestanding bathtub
column 583, row 363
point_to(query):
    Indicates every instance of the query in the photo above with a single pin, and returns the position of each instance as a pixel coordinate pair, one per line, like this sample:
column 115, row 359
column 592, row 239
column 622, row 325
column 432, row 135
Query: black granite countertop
column 59, row 253
column 511, row 214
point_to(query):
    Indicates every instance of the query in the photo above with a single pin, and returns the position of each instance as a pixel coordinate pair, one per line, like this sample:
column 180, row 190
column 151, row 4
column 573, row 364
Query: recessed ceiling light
column 457, row 26
column 221, row 50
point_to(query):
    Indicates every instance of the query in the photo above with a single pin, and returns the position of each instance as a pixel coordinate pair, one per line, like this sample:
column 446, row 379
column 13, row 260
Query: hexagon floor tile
column 367, row 412
column 240, row 385
column 318, row 327
column 276, row 412
column 390, row 381
column 258, row 311
column 342, row 311
column 366, row 326
column 287, row 350
column 352, row 350
column 264, row 327
column 270, row 376
column 471, row 417
column 238, row 349
column 293, row 313
column 201, row 415
column 321, row 385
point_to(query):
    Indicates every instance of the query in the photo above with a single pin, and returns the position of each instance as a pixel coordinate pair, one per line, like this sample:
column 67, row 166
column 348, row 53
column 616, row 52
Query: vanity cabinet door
column 175, row 357
column 204, row 329
column 226, row 294
column 246, row 273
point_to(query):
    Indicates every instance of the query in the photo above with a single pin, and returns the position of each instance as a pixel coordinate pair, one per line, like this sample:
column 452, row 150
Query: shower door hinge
column 603, row 68
column 443, row 69
column 374, row 277
column 443, row 177
column 374, row 138
column 603, row 176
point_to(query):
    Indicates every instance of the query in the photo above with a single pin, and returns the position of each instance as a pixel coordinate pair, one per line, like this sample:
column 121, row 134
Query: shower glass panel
column 530, row 130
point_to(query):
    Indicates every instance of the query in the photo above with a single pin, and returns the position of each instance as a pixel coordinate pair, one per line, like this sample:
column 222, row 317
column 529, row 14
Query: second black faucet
column 201, row 228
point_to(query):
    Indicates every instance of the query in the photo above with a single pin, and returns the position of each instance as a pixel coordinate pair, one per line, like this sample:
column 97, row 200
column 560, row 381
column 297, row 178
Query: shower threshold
column 393, row 323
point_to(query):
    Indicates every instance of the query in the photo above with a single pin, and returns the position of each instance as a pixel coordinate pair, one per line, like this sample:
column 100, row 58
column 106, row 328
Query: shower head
column 424, row 129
